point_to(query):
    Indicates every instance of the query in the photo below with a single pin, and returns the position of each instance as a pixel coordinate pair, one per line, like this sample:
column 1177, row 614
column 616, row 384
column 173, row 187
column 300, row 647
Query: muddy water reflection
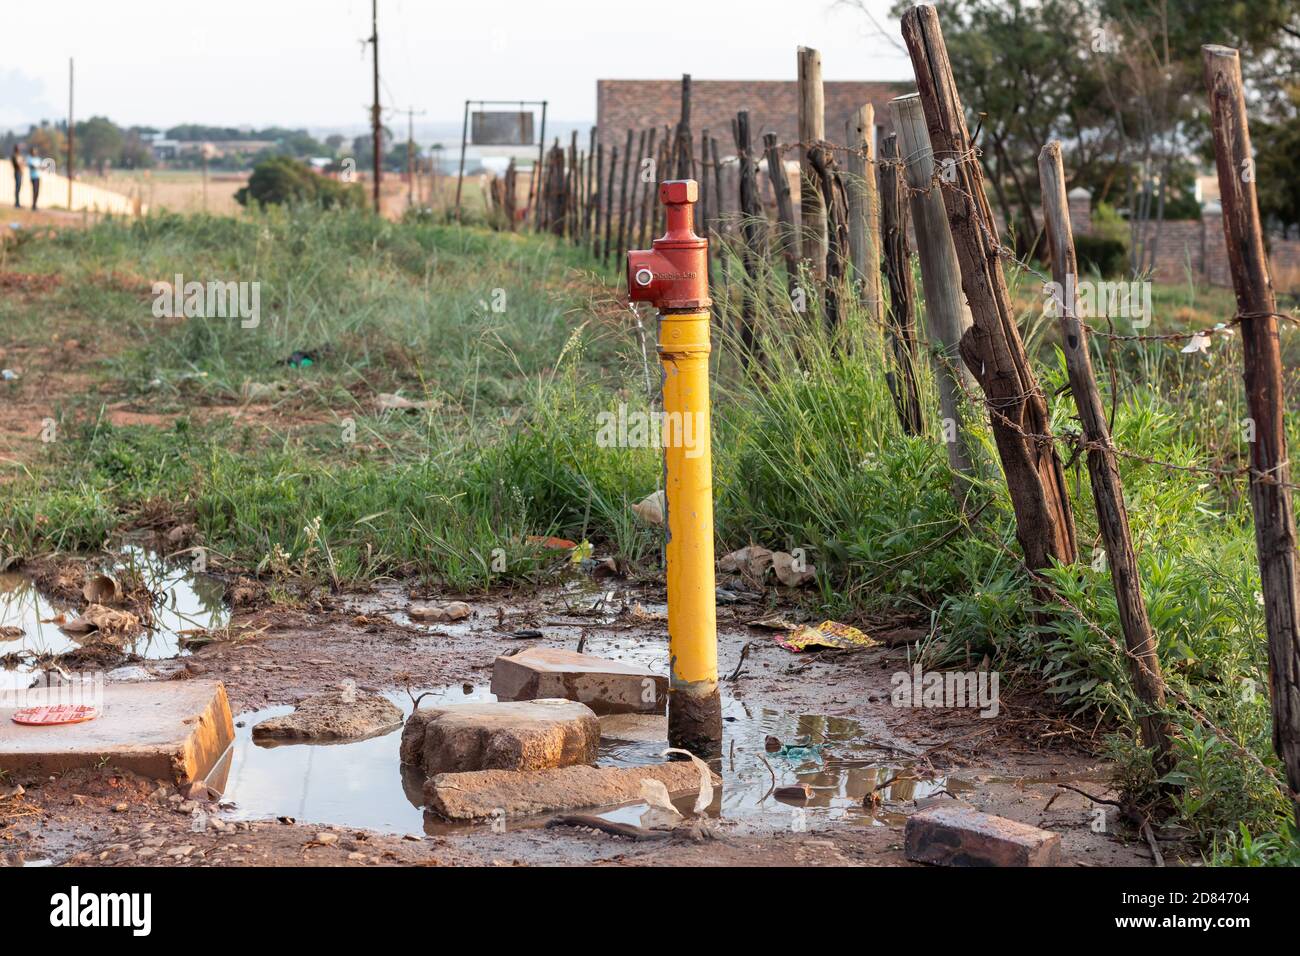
column 361, row 784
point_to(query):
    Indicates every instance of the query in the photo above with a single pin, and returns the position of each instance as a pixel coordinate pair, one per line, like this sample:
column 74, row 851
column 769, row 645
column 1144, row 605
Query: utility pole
column 71, row 135
column 376, row 117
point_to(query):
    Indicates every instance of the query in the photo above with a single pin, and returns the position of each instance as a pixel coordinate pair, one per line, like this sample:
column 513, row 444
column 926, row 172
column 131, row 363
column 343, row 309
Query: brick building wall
column 773, row 107
column 1198, row 248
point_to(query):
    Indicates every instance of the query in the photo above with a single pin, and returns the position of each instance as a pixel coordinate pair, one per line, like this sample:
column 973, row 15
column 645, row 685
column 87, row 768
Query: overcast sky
column 301, row 62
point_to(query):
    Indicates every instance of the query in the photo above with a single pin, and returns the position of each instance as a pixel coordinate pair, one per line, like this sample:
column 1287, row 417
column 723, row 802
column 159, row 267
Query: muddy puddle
column 362, row 784
column 182, row 600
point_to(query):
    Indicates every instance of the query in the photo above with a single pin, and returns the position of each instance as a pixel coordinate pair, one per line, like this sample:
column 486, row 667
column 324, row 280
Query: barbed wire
column 1169, row 689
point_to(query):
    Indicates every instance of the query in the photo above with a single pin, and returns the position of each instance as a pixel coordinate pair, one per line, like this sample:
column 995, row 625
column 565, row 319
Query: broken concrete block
column 486, row 793
column 607, row 687
column 638, row 728
column 961, row 836
column 527, row 735
column 172, row 730
column 333, row 715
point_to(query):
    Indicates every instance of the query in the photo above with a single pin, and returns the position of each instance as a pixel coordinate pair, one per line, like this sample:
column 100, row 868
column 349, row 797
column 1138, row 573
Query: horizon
column 214, row 71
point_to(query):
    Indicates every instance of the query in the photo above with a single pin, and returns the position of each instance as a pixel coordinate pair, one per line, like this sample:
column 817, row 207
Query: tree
column 1277, row 167
column 1118, row 82
column 99, row 142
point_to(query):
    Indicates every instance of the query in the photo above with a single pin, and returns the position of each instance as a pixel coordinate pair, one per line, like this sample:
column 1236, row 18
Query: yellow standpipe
column 694, row 708
column 674, row 276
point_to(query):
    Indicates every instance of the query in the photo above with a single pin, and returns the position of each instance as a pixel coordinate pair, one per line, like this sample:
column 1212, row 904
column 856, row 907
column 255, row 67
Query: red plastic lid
column 49, row 716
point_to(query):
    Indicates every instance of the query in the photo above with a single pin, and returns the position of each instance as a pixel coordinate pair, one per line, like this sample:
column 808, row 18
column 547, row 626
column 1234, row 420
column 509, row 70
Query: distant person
column 34, row 173
column 17, row 160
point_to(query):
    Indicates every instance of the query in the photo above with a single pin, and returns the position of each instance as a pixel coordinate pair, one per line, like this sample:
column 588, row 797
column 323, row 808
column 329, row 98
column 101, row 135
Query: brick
column 961, row 836
column 607, row 687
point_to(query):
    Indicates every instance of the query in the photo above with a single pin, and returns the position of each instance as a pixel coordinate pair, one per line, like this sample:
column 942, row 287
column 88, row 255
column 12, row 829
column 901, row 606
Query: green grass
column 808, row 453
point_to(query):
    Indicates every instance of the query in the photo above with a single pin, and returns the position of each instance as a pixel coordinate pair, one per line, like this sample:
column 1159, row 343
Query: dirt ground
column 1014, row 765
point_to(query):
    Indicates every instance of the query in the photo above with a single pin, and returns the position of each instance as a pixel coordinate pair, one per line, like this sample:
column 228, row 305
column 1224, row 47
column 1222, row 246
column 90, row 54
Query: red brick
column 961, row 836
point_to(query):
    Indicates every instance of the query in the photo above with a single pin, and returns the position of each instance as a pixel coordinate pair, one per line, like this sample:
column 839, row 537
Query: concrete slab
column 607, row 687
column 487, row 793
column 170, row 730
column 522, row 735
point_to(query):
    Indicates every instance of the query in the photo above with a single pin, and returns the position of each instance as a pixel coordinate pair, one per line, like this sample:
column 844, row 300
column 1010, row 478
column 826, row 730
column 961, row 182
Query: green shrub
column 283, row 180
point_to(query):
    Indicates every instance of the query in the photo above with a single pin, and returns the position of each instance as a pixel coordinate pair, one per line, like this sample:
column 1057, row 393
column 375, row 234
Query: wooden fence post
column 596, row 198
column 554, row 196
column 587, row 189
column 992, row 347
column 812, row 129
column 683, row 150
column 571, row 181
column 1270, row 470
column 609, row 200
column 946, row 314
column 787, row 237
column 753, row 232
column 719, row 207
column 864, row 212
column 622, row 197
column 902, row 293
column 649, row 190
column 1103, row 473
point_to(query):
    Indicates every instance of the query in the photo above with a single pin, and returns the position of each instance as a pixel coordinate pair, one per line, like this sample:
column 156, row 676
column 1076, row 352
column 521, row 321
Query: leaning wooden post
column 946, row 315
column 835, row 206
column 812, row 129
column 1103, row 472
column 902, row 293
column 787, row 236
column 1270, row 471
column 864, row 212
column 992, row 348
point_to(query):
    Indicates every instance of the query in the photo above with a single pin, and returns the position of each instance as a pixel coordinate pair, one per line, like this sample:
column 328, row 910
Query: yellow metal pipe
column 694, row 709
